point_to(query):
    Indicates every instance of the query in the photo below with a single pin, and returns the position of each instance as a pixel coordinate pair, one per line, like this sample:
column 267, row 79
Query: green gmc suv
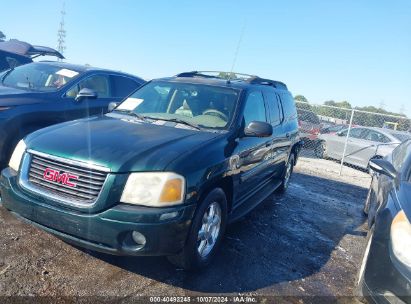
column 162, row 173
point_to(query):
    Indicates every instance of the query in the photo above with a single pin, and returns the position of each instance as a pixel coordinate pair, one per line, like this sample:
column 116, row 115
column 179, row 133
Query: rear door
column 358, row 147
column 281, row 140
column 368, row 145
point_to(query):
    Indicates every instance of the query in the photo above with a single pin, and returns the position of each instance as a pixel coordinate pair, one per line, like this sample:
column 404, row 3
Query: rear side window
column 274, row 108
column 377, row 137
column 290, row 111
column 123, row 86
column 254, row 108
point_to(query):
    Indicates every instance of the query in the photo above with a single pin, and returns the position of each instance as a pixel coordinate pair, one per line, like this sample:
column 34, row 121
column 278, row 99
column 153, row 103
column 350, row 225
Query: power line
column 61, row 33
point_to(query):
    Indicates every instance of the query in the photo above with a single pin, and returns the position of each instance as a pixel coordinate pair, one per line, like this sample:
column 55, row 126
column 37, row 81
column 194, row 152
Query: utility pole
column 61, row 33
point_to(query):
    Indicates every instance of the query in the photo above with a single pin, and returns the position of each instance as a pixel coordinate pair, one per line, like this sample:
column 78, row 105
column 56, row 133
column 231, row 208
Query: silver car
column 363, row 144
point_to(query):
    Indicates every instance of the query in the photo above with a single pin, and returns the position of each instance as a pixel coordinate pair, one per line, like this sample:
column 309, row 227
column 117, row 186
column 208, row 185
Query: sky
column 354, row 50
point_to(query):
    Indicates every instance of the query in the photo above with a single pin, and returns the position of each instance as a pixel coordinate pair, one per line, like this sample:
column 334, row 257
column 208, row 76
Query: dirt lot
column 308, row 242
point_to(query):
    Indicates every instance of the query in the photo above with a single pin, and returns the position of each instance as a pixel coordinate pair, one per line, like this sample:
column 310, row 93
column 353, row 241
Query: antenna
column 236, row 51
column 61, row 33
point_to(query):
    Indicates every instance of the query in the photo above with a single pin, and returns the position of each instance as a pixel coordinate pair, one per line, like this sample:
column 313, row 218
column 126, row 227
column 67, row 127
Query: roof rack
column 216, row 74
column 230, row 76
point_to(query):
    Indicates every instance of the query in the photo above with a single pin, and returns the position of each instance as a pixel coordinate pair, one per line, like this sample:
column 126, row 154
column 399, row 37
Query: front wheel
column 206, row 233
column 289, row 169
column 321, row 150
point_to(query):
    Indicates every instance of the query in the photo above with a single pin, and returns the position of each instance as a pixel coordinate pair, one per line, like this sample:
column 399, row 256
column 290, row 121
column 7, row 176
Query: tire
column 321, row 150
column 361, row 271
column 289, row 169
column 366, row 208
column 198, row 252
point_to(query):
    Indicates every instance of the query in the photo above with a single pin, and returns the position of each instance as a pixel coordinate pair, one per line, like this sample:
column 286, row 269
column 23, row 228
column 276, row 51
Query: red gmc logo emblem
column 61, row 178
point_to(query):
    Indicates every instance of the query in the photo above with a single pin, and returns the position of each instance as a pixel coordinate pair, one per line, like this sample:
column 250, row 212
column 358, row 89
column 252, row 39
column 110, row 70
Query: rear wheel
column 321, row 150
column 289, row 169
column 206, row 233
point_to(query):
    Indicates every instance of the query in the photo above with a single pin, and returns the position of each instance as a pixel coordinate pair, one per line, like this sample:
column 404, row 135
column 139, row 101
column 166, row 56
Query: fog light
column 168, row 216
column 138, row 238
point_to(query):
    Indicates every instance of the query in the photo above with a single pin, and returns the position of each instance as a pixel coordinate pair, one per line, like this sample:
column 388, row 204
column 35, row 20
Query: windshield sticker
column 130, row 104
column 67, row 73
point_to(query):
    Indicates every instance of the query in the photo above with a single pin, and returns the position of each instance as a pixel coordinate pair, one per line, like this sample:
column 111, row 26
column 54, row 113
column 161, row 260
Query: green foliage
column 343, row 110
column 301, row 98
column 225, row 75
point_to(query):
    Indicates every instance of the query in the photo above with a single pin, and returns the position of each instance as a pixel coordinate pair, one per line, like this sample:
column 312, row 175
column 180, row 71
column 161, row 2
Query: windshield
column 194, row 104
column 38, row 77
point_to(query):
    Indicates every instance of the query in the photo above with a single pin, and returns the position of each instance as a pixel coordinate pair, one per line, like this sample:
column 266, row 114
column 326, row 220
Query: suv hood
column 15, row 97
column 123, row 145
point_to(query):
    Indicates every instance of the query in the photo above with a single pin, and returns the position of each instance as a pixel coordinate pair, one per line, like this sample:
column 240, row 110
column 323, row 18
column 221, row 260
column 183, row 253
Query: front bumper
column 108, row 231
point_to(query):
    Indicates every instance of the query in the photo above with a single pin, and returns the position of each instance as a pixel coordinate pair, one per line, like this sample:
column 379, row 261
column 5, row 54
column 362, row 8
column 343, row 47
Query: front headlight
column 15, row 159
column 154, row 189
column 401, row 239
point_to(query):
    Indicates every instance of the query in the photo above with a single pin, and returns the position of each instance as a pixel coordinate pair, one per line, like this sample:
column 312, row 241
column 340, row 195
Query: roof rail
column 217, row 74
column 229, row 76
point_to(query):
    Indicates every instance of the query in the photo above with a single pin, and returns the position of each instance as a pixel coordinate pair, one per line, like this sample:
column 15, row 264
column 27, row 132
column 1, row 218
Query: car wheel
column 289, row 169
column 206, row 233
column 321, row 150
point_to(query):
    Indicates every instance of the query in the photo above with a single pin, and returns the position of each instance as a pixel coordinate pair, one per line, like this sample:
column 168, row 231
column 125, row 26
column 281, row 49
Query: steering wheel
column 216, row 113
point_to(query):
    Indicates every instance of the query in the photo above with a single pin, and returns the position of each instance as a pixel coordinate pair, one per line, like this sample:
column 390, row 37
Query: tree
column 2, row 36
column 301, row 98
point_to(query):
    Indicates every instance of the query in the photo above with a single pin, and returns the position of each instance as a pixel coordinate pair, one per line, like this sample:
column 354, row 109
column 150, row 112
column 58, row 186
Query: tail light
column 315, row 131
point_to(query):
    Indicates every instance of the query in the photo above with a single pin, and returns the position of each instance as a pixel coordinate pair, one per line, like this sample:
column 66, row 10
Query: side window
column 97, row 83
column 254, row 108
column 289, row 108
column 275, row 109
column 357, row 133
column 400, row 154
column 122, row 86
column 376, row 137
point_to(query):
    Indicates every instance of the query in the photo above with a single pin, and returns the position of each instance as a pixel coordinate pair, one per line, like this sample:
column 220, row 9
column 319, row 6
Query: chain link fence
column 350, row 137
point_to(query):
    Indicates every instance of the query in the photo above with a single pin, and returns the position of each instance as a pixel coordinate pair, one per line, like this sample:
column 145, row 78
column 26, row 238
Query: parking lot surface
column 308, row 242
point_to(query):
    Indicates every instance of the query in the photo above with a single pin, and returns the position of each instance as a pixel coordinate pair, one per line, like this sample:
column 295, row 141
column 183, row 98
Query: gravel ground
column 307, row 242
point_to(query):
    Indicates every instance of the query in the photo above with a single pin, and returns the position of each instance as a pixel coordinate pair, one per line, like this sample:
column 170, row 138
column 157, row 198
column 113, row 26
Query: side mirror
column 384, row 167
column 86, row 93
column 111, row 106
column 258, row 129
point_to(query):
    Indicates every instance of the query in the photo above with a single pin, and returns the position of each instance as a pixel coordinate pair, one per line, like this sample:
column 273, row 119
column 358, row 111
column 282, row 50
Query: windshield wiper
column 177, row 120
column 131, row 113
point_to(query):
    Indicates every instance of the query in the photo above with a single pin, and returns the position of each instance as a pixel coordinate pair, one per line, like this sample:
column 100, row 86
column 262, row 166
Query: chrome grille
column 84, row 188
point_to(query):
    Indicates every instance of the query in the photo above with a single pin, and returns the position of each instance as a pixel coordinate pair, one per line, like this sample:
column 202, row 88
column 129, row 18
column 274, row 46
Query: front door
column 254, row 153
column 88, row 107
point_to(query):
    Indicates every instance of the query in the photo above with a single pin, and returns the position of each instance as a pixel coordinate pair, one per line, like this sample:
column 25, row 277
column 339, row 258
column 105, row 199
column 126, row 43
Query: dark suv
column 40, row 94
column 164, row 172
